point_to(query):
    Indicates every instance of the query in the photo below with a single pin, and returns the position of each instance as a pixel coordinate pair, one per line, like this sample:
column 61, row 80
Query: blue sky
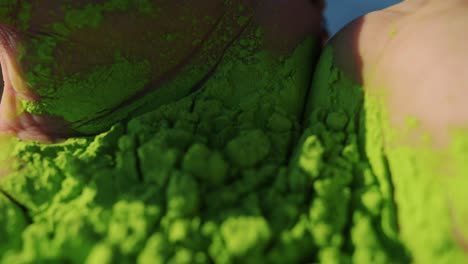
column 340, row 12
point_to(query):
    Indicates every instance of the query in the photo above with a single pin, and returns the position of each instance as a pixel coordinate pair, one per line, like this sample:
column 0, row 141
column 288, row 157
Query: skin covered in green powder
column 82, row 66
column 415, row 117
column 429, row 182
column 406, row 194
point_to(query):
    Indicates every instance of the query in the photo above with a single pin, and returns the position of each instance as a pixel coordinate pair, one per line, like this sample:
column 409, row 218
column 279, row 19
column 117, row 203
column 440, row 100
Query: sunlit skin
column 173, row 36
column 415, row 51
column 415, row 54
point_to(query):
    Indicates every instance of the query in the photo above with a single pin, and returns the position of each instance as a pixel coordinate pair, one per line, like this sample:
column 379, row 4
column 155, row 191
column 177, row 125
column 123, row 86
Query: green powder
column 118, row 85
column 6, row 10
column 232, row 174
column 353, row 215
column 24, row 15
column 204, row 179
column 13, row 223
column 82, row 98
column 429, row 191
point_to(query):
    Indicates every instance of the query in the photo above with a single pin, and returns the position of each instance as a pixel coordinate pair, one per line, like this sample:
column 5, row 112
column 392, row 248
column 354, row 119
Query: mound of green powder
column 253, row 168
column 201, row 180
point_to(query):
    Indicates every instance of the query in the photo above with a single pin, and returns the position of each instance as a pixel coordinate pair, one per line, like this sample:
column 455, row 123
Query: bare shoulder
column 360, row 43
column 424, row 65
column 416, row 51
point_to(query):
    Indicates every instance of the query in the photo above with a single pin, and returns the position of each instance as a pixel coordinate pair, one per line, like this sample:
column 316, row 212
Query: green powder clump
column 245, row 235
column 13, row 223
column 353, row 215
